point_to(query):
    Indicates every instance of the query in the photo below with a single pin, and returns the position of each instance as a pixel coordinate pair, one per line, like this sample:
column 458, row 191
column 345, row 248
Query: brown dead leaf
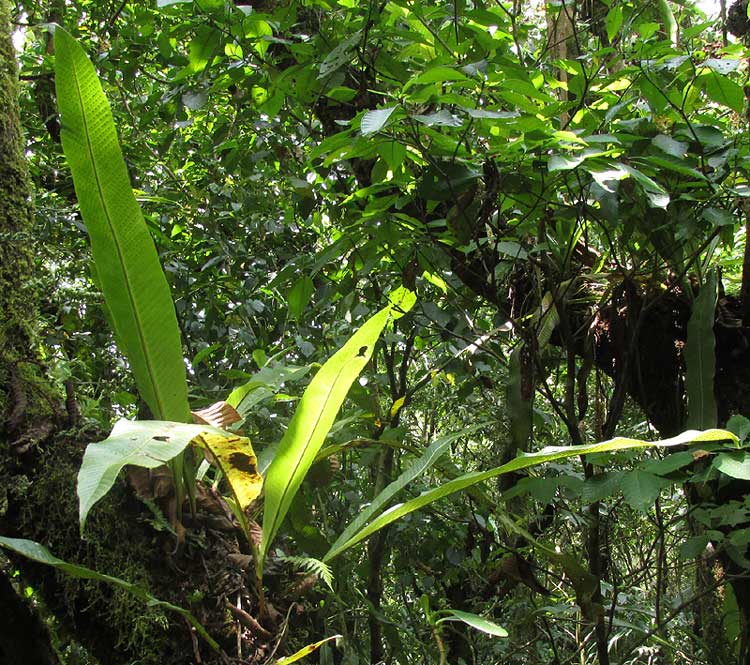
column 242, row 561
column 700, row 454
column 220, row 414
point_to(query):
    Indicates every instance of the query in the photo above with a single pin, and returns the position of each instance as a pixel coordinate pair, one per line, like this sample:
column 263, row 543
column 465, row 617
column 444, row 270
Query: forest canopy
column 374, row 332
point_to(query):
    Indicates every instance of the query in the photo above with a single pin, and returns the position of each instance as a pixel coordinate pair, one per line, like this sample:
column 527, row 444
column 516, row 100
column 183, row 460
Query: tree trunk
column 39, row 461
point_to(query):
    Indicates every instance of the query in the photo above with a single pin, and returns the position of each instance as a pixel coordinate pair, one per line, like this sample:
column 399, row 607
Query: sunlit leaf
column 373, row 121
column 235, row 456
column 127, row 266
column 549, row 454
column 144, row 443
column 305, row 651
column 475, row 621
column 316, row 413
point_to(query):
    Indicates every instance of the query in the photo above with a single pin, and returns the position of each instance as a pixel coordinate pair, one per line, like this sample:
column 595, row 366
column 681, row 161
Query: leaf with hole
column 316, row 413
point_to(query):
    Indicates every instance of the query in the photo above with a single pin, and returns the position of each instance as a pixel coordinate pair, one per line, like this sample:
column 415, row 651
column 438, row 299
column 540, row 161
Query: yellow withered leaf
column 235, row 457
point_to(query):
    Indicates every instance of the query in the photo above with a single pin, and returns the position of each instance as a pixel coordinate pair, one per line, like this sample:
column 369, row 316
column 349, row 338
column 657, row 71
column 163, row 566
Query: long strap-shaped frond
column 127, row 265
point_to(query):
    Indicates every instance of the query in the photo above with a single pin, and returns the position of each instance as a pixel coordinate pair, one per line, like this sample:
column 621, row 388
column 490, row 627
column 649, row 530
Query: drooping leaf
column 220, row 414
column 316, row 413
column 700, row 357
column 127, row 266
column 305, row 651
column 475, row 621
column 36, row 552
column 549, row 454
column 144, row 443
column 340, row 55
column 235, row 456
column 442, row 118
column 430, row 456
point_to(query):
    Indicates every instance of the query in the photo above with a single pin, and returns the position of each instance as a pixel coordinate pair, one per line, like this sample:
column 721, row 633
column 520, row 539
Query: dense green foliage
column 565, row 188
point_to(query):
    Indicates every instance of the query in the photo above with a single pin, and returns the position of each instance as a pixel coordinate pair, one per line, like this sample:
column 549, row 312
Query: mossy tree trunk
column 40, row 453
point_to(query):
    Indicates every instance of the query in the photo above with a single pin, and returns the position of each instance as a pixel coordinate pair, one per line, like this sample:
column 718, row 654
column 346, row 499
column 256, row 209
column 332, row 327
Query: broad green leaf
column 340, row 55
column 694, row 547
column 613, row 21
column 202, row 49
column 549, row 454
column 641, row 489
column 600, row 486
column 740, row 425
column 475, row 621
column 668, row 145
column 670, row 463
column 564, row 162
column 236, row 458
column 439, row 74
column 145, row 443
column 373, row 121
column 700, row 357
column 430, row 456
column 305, row 651
column 657, row 196
column 299, row 295
column 735, row 464
column 36, row 552
column 127, row 265
column 315, row 415
column 723, row 91
column 718, row 216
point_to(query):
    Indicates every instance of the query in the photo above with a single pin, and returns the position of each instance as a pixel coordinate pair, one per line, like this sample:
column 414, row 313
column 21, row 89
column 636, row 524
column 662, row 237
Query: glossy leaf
column 144, row 443
column 475, row 621
column 305, row 651
column 316, row 413
column 127, row 266
column 36, row 552
column 373, row 121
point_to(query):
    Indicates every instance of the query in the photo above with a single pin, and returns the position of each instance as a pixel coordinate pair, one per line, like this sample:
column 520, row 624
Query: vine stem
column 440, row 645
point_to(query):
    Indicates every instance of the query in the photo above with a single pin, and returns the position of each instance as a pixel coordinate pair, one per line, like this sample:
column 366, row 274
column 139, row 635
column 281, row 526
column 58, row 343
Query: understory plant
column 142, row 315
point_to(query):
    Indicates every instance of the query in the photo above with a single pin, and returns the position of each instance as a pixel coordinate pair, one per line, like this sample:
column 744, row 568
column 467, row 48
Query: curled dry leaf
column 221, row 415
